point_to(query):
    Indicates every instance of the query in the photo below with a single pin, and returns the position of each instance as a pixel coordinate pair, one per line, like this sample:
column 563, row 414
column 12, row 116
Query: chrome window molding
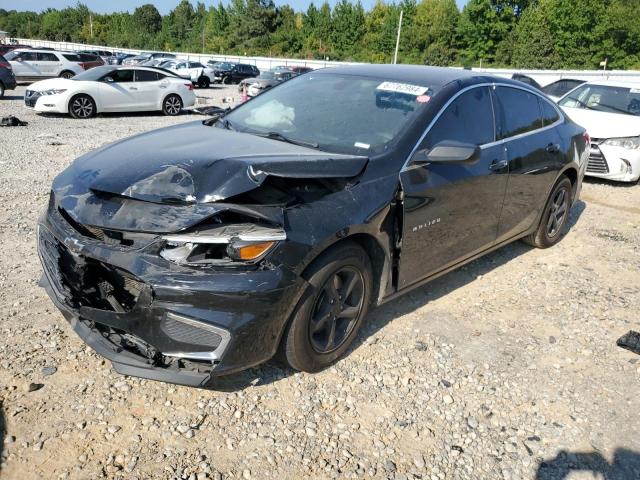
column 493, row 85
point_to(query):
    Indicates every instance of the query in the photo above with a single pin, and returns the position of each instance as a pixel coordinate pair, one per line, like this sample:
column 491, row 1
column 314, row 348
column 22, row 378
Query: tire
column 308, row 344
column 225, row 81
column 172, row 105
column 1, row 89
column 204, row 82
column 67, row 74
column 553, row 223
column 82, row 107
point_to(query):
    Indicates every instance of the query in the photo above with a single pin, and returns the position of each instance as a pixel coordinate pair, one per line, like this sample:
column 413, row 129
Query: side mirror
column 18, row 59
column 448, row 151
column 108, row 79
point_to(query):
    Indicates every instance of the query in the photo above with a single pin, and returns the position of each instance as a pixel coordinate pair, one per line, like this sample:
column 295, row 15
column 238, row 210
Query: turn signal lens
column 253, row 251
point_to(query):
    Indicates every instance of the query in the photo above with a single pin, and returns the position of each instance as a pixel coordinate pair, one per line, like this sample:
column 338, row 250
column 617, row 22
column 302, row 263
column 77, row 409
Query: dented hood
column 197, row 164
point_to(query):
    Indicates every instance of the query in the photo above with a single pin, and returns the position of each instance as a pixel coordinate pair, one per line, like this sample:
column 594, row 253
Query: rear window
column 549, row 113
column 518, row 112
column 147, row 76
column 605, row 98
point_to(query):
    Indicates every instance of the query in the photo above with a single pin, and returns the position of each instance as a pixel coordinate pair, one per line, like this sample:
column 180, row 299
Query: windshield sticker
column 366, row 146
column 403, row 88
column 423, row 98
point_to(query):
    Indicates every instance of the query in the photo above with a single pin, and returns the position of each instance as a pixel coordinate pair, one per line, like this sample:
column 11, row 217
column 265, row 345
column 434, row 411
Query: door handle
column 553, row 148
column 498, row 165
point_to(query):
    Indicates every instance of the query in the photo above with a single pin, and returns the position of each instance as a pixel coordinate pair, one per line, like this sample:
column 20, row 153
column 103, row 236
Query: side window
column 47, row 57
column 549, row 113
column 28, row 56
column 518, row 112
column 146, row 76
column 469, row 119
column 122, row 76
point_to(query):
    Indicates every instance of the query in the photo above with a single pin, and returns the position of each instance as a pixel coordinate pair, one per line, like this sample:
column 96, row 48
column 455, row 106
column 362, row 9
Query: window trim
column 407, row 165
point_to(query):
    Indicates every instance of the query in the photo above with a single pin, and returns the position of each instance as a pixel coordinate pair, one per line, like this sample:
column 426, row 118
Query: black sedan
column 205, row 248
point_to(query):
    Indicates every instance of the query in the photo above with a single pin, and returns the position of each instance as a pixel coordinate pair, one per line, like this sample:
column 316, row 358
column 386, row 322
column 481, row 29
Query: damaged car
column 205, row 248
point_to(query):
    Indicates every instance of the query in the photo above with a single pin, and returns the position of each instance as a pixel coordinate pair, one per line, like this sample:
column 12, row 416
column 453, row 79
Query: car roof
column 418, row 74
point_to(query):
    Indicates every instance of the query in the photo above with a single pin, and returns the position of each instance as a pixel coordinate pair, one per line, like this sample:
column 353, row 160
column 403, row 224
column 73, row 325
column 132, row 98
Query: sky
column 164, row 6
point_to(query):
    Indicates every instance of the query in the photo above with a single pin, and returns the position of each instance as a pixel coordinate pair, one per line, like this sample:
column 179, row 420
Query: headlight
column 54, row 91
column 630, row 143
column 222, row 244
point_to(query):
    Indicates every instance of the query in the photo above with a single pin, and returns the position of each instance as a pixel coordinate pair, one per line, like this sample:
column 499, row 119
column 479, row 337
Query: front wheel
column 330, row 312
column 553, row 223
column 172, row 105
column 82, row 106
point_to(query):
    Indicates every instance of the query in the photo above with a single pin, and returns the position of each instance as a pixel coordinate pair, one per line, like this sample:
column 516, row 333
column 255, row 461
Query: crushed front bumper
column 156, row 320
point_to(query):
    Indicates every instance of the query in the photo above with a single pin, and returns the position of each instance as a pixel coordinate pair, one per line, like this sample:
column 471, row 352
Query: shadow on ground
column 625, row 466
column 381, row 316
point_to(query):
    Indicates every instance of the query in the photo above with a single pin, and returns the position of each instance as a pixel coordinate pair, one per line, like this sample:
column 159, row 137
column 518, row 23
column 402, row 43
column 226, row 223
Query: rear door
column 452, row 211
column 534, row 151
column 119, row 94
column 49, row 64
column 148, row 92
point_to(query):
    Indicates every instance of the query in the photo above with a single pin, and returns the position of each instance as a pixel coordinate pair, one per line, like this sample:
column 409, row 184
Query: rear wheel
column 330, row 312
column 1, row 90
column 172, row 105
column 67, row 74
column 82, row 106
column 204, row 82
column 553, row 223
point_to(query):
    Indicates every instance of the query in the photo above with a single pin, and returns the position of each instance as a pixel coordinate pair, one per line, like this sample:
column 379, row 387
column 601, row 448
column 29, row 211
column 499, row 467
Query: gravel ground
column 506, row 368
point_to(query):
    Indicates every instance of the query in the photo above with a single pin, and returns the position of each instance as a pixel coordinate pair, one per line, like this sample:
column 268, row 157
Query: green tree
column 148, row 18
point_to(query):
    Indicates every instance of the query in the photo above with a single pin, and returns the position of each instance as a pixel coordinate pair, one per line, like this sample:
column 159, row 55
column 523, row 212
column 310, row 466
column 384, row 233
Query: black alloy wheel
column 337, row 308
column 558, row 211
column 554, row 219
column 172, row 105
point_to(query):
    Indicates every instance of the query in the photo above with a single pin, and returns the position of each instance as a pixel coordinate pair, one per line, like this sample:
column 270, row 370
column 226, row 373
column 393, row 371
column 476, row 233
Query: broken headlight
column 238, row 242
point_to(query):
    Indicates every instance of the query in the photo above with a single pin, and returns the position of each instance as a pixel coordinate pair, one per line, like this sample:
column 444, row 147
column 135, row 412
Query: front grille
column 191, row 334
column 597, row 163
column 31, row 97
column 82, row 281
column 110, row 237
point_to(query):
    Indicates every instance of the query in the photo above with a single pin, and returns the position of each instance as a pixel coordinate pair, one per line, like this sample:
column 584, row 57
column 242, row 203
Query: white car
column 200, row 74
column 33, row 64
column 112, row 89
column 610, row 112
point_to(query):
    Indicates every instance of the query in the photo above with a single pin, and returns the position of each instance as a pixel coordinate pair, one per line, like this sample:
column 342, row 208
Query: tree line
column 541, row 34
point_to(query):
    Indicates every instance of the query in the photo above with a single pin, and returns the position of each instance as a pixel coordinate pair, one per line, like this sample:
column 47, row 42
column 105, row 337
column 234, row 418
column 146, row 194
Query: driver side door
column 119, row 93
column 452, row 210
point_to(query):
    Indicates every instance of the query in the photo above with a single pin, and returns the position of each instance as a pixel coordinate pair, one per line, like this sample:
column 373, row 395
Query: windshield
column 93, row 74
column 339, row 113
column 224, row 66
column 12, row 55
column 604, row 98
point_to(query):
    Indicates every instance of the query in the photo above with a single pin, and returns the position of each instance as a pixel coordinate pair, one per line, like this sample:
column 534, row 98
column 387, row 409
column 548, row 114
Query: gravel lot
column 506, row 368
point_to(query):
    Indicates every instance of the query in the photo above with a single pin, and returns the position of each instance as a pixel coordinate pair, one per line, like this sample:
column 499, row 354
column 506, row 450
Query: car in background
column 557, row 89
column 610, row 112
column 8, row 47
column 147, row 57
column 118, row 58
column 104, row 54
column 264, row 81
column 36, row 64
column 297, row 69
column 112, row 89
column 199, row 74
column 7, row 78
column 527, row 80
column 89, row 60
column 205, row 248
column 235, row 72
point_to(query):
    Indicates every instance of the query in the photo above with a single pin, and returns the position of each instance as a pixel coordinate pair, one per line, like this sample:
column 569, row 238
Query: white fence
column 543, row 77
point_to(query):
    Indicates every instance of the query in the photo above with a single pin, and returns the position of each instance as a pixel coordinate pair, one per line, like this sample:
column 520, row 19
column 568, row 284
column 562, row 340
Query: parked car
column 106, row 55
column 610, row 111
column 526, row 79
column 560, row 87
column 264, row 81
column 90, row 60
column 112, row 89
column 235, row 72
column 7, row 78
column 203, row 248
column 199, row 74
column 118, row 58
column 8, row 47
column 30, row 65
